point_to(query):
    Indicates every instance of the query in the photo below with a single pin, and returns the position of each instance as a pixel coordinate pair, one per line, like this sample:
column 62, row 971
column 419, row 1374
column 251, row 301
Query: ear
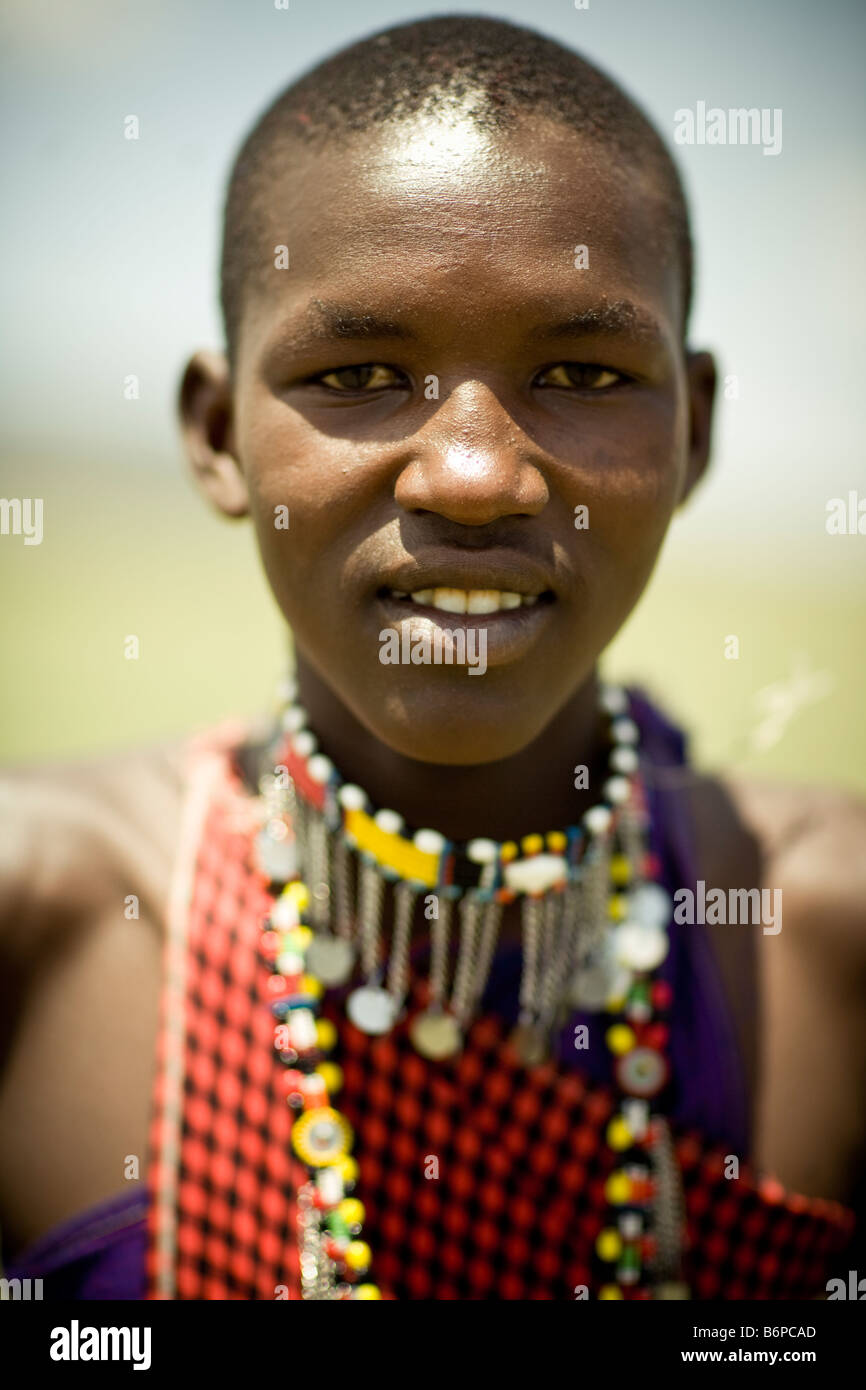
column 205, row 408
column 701, row 377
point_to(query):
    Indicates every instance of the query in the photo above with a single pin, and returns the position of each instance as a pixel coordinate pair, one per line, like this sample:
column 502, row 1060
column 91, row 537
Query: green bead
column 337, row 1226
column 630, row 1258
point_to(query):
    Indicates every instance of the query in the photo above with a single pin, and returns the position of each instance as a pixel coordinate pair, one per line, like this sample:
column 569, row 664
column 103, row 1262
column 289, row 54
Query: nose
column 472, row 463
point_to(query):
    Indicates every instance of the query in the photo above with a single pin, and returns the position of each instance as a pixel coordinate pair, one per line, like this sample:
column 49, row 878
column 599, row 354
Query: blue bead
column 302, row 1001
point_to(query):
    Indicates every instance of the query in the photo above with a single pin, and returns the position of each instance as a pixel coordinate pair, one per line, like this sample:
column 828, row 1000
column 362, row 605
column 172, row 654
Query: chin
column 458, row 727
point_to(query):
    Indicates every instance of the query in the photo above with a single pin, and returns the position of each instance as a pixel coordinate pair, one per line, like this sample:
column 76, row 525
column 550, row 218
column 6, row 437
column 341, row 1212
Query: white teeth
column 479, row 601
column 482, row 601
column 450, row 600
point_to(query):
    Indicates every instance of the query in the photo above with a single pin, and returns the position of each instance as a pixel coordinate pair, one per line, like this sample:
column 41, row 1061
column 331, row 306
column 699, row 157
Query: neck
column 532, row 791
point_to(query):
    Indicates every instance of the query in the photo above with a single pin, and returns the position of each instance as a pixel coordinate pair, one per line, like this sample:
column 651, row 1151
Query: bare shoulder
column 74, row 833
column 816, row 835
column 811, row 844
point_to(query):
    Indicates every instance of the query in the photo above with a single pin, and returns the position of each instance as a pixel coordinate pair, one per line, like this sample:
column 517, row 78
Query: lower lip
column 510, row 633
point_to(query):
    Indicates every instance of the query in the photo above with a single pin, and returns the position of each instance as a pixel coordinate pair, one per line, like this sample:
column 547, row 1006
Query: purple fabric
column 709, row 1078
column 100, row 1254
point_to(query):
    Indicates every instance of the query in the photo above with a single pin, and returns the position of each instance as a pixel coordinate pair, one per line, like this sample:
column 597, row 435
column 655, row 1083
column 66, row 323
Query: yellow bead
column 508, row 851
column 557, row 842
column 332, row 1075
column 298, row 893
column 326, row 1034
column 617, row 1189
column 617, row 907
column 392, row 850
column 620, row 1039
column 298, row 939
column 358, row 1255
column 352, row 1211
column 348, row 1169
column 310, row 985
column 322, row 1137
column 619, row 1136
column 609, row 1244
column 615, row 1004
column 610, row 1291
column 365, row 1292
column 620, row 870
column 532, row 844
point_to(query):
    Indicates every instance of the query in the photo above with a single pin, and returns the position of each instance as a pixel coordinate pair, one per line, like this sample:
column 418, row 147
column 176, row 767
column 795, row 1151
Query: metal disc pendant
column 330, row 959
column 589, row 988
column 276, row 859
column 599, row 980
column 435, row 1034
column 371, row 1009
column 529, row 1043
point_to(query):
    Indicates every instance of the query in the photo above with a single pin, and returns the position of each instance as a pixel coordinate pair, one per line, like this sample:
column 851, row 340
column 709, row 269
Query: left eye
column 580, row 375
column 366, row 378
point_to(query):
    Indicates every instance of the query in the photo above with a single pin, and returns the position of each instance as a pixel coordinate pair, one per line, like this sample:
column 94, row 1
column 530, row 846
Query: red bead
column 315, row 1102
column 661, row 995
column 654, row 1133
column 277, row 985
column 642, row 1190
column 270, row 944
column 293, row 1081
column 652, row 867
column 656, row 1035
column 314, row 792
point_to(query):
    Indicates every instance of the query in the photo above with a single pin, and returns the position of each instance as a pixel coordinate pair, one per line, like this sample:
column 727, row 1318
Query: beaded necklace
column 594, row 930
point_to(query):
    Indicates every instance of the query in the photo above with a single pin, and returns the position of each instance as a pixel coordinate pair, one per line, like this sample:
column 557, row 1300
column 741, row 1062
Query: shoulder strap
column 205, row 771
column 222, row 1173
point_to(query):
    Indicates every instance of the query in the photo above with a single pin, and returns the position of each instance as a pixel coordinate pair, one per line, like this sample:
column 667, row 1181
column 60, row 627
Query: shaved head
column 467, row 73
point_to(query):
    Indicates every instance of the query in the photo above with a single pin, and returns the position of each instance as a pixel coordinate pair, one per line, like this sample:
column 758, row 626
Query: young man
column 458, row 404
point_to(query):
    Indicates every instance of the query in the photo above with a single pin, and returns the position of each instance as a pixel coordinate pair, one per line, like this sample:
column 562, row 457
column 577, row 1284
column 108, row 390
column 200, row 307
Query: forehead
column 437, row 213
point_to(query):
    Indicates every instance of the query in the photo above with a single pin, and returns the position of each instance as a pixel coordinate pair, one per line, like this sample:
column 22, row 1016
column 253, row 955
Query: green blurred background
column 111, row 270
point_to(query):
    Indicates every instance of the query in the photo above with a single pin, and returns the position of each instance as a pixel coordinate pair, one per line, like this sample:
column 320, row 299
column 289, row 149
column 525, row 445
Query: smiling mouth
column 470, row 602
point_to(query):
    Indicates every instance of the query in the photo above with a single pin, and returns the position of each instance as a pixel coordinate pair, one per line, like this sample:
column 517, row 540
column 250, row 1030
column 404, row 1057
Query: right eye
column 367, row 378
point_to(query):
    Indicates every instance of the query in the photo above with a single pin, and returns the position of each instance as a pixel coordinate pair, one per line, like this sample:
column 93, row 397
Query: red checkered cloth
column 481, row 1179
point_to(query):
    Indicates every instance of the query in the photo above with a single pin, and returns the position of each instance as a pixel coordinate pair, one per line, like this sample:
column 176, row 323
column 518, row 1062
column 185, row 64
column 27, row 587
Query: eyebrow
column 607, row 320
column 326, row 322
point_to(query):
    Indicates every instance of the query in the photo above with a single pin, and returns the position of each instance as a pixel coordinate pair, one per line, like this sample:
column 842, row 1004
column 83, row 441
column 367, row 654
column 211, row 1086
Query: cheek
column 629, row 481
column 301, row 502
column 635, row 498
column 636, row 473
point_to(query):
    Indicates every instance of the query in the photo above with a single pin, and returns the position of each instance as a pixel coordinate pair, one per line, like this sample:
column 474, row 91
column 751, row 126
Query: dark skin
column 477, row 488
column 467, row 246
